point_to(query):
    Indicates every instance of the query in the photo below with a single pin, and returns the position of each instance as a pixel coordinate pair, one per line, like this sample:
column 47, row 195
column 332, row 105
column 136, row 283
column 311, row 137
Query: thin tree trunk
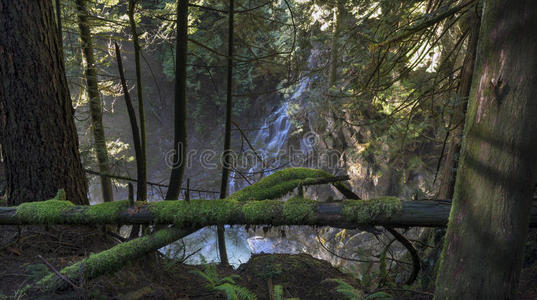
column 37, row 130
column 447, row 172
column 94, row 100
column 227, row 135
column 179, row 162
column 334, row 53
column 333, row 129
column 449, row 166
column 134, row 125
column 142, row 176
column 484, row 246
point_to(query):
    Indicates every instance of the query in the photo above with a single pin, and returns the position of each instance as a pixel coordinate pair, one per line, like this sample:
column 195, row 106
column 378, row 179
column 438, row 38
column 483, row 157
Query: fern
column 278, row 293
column 229, row 290
column 225, row 285
column 346, row 289
column 354, row 294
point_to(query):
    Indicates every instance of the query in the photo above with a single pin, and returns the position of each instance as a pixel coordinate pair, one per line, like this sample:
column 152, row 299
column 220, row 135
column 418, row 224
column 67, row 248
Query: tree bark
column 142, row 177
column 94, row 100
column 489, row 219
column 334, row 53
column 200, row 213
column 227, row 134
column 37, row 131
column 140, row 167
column 181, row 48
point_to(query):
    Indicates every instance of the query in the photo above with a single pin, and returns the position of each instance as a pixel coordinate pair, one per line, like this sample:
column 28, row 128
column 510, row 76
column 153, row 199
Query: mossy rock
column 301, row 276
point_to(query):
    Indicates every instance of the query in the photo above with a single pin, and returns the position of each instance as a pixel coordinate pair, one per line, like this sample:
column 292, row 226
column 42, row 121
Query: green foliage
column 37, row 271
column 352, row 293
column 278, row 293
column 235, row 292
column 225, row 285
column 271, row 269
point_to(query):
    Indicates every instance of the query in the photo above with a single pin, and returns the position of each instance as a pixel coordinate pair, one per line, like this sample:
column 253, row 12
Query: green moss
column 299, row 210
column 61, row 195
column 278, row 184
column 105, row 212
column 195, row 212
column 364, row 211
column 262, row 212
column 43, row 212
column 112, row 259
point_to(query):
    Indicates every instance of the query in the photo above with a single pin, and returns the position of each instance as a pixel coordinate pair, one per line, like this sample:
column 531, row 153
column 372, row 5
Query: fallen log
column 108, row 261
column 385, row 211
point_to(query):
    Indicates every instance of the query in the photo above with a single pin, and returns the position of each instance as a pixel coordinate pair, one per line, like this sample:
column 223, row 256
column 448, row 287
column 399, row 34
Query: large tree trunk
column 94, row 100
column 489, row 219
column 37, row 131
column 181, row 44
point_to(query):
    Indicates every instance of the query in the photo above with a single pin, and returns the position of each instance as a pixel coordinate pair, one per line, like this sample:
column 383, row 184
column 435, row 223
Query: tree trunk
column 94, row 100
column 141, row 192
column 447, row 172
column 134, row 125
column 181, row 44
column 449, row 167
column 489, row 219
column 37, row 130
column 227, row 134
column 334, row 53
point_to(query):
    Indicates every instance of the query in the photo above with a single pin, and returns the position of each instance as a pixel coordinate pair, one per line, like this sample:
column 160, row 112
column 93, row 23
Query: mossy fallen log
column 386, row 211
column 109, row 260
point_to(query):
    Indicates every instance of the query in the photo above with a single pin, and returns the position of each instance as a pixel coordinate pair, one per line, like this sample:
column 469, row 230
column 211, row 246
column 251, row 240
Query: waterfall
column 268, row 142
column 271, row 138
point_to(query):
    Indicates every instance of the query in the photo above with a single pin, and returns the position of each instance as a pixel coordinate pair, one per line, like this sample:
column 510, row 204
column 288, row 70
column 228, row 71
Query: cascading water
column 269, row 142
column 270, row 139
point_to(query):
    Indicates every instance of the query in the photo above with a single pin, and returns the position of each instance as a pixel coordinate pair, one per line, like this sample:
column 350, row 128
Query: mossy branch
column 285, row 181
column 110, row 260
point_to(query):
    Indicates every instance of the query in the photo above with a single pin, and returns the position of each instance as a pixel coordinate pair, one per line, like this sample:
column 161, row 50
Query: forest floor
column 301, row 275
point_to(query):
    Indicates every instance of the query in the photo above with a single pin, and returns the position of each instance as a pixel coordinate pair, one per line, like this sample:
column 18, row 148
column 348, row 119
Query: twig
column 416, row 266
column 60, row 275
column 136, row 180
